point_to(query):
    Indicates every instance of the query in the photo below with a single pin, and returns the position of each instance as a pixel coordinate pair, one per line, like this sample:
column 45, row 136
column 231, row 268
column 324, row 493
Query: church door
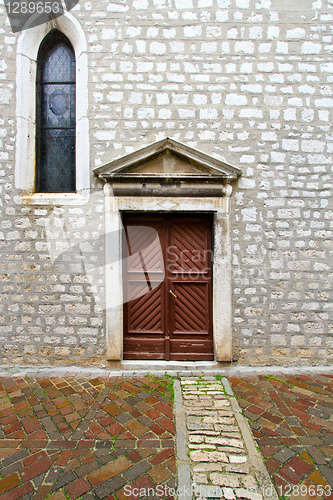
column 167, row 269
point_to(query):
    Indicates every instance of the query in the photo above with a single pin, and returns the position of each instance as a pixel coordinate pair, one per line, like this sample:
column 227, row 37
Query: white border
column 26, row 60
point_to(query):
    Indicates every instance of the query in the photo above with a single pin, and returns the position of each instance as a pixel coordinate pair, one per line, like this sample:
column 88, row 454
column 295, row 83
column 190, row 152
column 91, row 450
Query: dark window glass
column 55, row 115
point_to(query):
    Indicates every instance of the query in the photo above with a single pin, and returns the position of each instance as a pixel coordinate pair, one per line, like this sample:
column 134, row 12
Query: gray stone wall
column 247, row 81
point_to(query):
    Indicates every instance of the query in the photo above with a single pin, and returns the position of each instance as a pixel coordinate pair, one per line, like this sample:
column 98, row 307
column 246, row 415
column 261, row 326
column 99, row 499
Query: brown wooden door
column 168, row 287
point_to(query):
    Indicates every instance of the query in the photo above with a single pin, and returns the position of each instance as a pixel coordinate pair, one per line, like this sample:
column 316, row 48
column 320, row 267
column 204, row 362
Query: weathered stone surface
column 193, row 426
column 237, row 459
column 204, row 433
column 219, row 420
column 207, row 491
column 246, row 493
column 203, row 446
column 238, row 469
column 226, row 467
column 229, row 449
column 237, row 443
column 208, row 456
column 249, row 482
column 228, row 493
column 224, row 480
column 200, row 478
column 196, row 439
column 207, row 467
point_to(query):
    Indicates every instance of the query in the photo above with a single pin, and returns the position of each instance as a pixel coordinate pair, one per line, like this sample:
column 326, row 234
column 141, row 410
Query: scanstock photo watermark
column 37, row 12
column 194, row 491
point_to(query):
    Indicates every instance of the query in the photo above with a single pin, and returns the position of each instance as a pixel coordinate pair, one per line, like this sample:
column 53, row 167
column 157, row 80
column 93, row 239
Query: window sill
column 53, row 199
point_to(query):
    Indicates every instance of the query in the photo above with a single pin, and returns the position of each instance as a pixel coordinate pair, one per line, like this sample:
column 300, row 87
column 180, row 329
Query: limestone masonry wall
column 246, row 81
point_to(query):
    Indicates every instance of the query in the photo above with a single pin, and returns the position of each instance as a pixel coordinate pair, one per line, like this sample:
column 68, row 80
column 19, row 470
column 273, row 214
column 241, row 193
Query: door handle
column 170, row 291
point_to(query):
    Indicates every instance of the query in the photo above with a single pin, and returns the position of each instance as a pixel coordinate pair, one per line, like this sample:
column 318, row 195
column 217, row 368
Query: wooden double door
column 168, row 287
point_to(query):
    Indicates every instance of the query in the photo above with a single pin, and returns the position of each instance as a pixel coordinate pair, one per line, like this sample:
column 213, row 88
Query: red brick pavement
column 292, row 421
column 69, row 438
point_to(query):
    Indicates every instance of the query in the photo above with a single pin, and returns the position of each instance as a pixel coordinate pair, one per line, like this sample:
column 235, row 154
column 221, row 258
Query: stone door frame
column 222, row 296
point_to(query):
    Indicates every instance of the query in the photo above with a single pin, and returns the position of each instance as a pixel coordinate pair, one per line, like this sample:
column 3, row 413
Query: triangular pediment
column 167, row 159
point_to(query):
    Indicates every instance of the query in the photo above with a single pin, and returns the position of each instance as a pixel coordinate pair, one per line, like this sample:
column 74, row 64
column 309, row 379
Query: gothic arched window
column 55, row 118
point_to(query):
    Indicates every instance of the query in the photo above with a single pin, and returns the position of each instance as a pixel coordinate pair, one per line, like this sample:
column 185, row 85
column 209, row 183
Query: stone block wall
column 246, row 81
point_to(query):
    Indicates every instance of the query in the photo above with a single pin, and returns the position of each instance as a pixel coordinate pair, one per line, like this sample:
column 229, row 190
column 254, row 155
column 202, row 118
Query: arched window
column 55, row 115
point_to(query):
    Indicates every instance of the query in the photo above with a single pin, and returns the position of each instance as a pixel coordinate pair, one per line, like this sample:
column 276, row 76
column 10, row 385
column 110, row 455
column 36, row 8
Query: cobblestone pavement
column 220, row 465
column 110, row 435
column 84, row 438
column 223, row 459
column 292, row 421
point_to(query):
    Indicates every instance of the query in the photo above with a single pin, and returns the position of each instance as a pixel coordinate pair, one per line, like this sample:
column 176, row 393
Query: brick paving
column 89, row 438
column 292, row 422
column 99, row 437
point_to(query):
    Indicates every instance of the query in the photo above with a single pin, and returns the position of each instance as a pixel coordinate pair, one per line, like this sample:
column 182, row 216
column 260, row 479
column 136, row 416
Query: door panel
column 190, row 313
column 145, row 312
column 167, row 288
column 189, row 276
column 144, row 247
column 143, row 268
column 188, row 247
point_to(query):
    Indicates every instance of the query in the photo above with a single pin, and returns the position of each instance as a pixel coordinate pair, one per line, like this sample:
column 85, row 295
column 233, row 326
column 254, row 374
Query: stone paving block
column 228, row 493
column 237, row 459
column 223, row 441
column 200, row 478
column 162, row 456
column 208, row 491
column 137, row 470
column 327, row 473
column 58, row 496
column 238, row 469
column 208, row 456
column 230, row 480
column 317, row 455
column 159, row 473
column 9, row 482
column 249, row 482
column 43, row 492
column 19, row 493
column 142, row 483
column 36, row 469
column 248, row 494
column 77, row 488
column 108, row 471
column 64, row 479
column 206, row 467
column 284, row 454
column 87, row 468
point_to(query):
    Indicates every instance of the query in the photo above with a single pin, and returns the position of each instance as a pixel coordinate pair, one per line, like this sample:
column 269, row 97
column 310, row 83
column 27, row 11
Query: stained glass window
column 55, row 118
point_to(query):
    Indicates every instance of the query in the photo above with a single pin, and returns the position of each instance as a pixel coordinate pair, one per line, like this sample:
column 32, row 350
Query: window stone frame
column 26, row 61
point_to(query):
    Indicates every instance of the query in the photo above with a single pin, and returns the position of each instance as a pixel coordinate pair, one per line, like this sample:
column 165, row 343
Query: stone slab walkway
column 223, row 461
